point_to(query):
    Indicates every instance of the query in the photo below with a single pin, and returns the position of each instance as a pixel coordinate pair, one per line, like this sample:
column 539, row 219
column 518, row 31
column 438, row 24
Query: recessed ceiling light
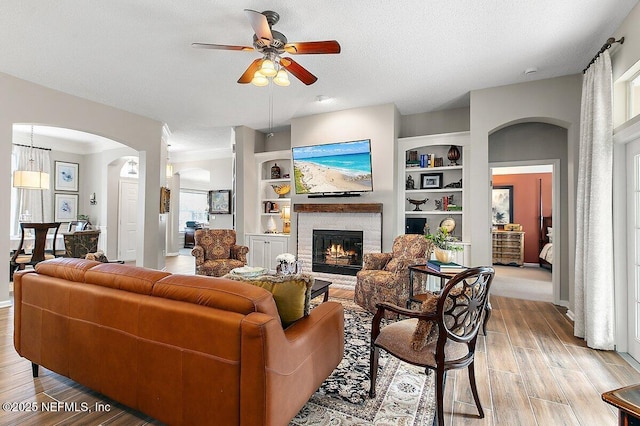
column 530, row 71
column 322, row 98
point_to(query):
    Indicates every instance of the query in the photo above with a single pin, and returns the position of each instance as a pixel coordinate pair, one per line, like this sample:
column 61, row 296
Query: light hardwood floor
column 530, row 370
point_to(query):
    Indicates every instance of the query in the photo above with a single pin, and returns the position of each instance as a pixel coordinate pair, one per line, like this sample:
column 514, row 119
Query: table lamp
column 285, row 214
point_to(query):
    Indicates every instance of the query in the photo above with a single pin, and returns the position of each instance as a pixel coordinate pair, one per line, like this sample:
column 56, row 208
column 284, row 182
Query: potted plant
column 444, row 245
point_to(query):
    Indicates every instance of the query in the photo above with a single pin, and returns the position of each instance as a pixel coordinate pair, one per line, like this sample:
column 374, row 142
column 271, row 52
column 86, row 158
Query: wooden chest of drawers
column 508, row 247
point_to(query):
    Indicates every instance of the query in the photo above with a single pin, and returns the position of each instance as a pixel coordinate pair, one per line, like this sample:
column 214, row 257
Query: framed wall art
column 502, row 205
column 65, row 207
column 66, row 176
column 220, row 201
column 430, row 180
column 165, row 200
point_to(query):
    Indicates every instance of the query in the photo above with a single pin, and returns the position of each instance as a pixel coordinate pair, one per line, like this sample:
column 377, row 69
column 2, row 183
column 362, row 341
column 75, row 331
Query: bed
column 546, row 243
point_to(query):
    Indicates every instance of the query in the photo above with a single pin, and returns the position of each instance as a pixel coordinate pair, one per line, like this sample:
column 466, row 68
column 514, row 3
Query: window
column 634, row 96
column 193, row 206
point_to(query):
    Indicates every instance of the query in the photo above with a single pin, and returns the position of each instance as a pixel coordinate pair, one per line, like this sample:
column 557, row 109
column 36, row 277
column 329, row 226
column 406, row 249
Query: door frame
column 555, row 215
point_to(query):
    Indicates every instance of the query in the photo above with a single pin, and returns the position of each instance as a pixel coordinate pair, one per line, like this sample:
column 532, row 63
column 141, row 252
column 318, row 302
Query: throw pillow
column 292, row 293
column 426, row 330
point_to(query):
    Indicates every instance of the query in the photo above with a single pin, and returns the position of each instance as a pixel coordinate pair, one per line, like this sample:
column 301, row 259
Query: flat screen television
column 333, row 168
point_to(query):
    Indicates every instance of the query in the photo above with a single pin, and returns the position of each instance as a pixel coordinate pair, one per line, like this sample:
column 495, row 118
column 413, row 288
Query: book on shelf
column 446, row 268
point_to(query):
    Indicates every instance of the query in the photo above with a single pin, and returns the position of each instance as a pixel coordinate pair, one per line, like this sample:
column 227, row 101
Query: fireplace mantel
column 338, row 208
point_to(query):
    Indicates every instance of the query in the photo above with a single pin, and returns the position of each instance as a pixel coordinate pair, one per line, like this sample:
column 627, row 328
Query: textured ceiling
column 422, row 55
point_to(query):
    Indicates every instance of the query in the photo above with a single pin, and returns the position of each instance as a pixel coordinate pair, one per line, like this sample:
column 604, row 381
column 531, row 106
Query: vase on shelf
column 453, row 155
column 444, row 256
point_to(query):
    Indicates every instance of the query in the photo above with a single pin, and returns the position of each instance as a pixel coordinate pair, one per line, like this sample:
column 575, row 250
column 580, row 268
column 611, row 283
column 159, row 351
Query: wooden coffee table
column 320, row 287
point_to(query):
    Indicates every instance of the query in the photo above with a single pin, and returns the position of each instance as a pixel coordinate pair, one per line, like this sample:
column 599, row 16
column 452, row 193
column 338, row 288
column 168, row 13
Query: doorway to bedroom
column 522, row 229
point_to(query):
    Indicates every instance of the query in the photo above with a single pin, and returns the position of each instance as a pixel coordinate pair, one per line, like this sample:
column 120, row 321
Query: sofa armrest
column 275, row 361
column 198, row 253
column 375, row 261
column 239, row 252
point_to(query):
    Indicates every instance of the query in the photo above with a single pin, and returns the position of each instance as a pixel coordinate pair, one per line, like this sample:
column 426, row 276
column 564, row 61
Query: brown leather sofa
column 183, row 349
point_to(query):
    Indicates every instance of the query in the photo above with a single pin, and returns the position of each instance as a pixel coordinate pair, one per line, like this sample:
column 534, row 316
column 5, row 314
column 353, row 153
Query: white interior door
column 633, row 246
column 127, row 220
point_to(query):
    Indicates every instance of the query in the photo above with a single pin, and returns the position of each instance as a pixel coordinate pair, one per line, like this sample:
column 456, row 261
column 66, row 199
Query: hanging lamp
column 30, row 178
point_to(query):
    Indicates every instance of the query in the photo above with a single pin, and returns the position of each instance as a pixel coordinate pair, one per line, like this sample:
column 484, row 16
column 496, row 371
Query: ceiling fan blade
column 298, row 71
column 260, row 26
column 310, row 47
column 249, row 72
column 221, row 46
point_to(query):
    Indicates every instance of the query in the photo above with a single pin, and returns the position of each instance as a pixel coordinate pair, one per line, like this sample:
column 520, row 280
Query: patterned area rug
column 405, row 395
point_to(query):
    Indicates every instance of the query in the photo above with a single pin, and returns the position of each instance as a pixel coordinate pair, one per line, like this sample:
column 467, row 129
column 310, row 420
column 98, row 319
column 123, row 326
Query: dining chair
column 20, row 258
column 440, row 337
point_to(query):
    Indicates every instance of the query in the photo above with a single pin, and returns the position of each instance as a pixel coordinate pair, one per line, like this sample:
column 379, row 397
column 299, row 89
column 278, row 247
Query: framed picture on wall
column 502, row 205
column 65, row 207
column 66, row 176
column 220, row 201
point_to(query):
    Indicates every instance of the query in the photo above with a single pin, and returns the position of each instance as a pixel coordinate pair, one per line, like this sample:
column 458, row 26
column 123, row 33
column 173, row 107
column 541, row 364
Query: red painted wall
column 526, row 206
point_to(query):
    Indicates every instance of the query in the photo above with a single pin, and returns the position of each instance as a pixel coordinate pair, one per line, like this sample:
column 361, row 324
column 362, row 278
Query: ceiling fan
column 272, row 44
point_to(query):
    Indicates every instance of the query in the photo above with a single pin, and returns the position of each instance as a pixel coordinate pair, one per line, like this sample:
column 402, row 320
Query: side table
column 320, row 287
column 627, row 400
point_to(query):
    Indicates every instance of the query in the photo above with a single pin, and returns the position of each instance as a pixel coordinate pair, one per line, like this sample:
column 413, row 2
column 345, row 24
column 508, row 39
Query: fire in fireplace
column 337, row 252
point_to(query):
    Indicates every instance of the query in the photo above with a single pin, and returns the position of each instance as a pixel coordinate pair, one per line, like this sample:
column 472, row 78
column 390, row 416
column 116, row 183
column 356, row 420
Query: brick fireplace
column 354, row 217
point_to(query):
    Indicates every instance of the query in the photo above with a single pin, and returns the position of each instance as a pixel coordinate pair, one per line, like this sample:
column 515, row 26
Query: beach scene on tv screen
column 341, row 167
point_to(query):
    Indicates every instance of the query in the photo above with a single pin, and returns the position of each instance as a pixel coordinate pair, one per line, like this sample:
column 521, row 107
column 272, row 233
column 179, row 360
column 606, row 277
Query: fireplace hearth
column 337, row 251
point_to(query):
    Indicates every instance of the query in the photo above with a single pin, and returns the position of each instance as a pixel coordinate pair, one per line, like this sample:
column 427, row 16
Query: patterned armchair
column 385, row 276
column 217, row 253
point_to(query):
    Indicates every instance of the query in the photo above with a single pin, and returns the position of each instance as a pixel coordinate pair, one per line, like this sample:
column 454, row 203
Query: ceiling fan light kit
column 272, row 44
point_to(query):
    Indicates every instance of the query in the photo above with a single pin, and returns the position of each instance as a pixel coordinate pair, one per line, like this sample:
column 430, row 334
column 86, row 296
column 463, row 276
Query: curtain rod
column 604, row 47
column 34, row 147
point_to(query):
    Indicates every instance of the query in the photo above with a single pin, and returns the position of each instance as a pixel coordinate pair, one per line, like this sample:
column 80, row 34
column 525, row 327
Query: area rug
column 404, row 394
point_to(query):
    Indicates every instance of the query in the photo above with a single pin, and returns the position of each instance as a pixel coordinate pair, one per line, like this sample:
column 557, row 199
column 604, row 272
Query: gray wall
column 554, row 101
column 435, row 122
column 377, row 123
column 539, row 141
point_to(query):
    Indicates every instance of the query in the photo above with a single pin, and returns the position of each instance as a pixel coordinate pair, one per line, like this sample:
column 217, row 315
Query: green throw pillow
column 292, row 293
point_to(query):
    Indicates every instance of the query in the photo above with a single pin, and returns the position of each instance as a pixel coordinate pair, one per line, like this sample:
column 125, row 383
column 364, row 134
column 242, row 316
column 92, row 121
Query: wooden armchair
column 441, row 337
column 217, row 253
column 385, row 276
column 20, row 258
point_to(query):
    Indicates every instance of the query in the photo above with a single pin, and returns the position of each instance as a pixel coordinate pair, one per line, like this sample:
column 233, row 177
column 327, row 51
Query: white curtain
column 34, row 201
column 594, row 298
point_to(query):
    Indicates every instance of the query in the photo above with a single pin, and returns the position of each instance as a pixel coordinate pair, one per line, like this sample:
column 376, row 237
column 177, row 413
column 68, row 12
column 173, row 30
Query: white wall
column 25, row 102
column 377, row 123
column 554, row 101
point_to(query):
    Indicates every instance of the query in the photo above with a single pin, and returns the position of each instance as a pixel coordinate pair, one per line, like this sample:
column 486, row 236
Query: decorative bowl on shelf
column 417, row 203
column 282, row 190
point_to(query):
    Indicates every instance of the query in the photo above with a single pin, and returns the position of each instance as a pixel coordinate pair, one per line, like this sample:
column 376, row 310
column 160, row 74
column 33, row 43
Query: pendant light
column 31, row 178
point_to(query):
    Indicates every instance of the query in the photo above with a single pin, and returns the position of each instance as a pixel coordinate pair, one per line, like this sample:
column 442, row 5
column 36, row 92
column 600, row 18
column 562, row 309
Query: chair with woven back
column 20, row 259
column 441, row 336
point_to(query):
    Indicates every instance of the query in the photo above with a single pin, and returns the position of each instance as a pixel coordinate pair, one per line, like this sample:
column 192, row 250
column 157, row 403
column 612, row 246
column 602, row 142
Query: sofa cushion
column 215, row 292
column 292, row 293
column 67, row 268
column 124, row 277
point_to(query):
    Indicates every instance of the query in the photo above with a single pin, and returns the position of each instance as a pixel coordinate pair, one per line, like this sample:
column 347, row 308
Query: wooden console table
column 627, row 400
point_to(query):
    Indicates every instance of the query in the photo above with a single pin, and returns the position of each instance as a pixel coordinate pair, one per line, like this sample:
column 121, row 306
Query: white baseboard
column 172, row 254
column 571, row 315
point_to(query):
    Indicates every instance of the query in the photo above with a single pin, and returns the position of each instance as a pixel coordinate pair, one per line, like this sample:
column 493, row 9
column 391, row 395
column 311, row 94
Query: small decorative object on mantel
column 438, row 204
column 282, row 190
column 417, row 203
column 453, row 155
column 410, row 184
column 275, row 171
